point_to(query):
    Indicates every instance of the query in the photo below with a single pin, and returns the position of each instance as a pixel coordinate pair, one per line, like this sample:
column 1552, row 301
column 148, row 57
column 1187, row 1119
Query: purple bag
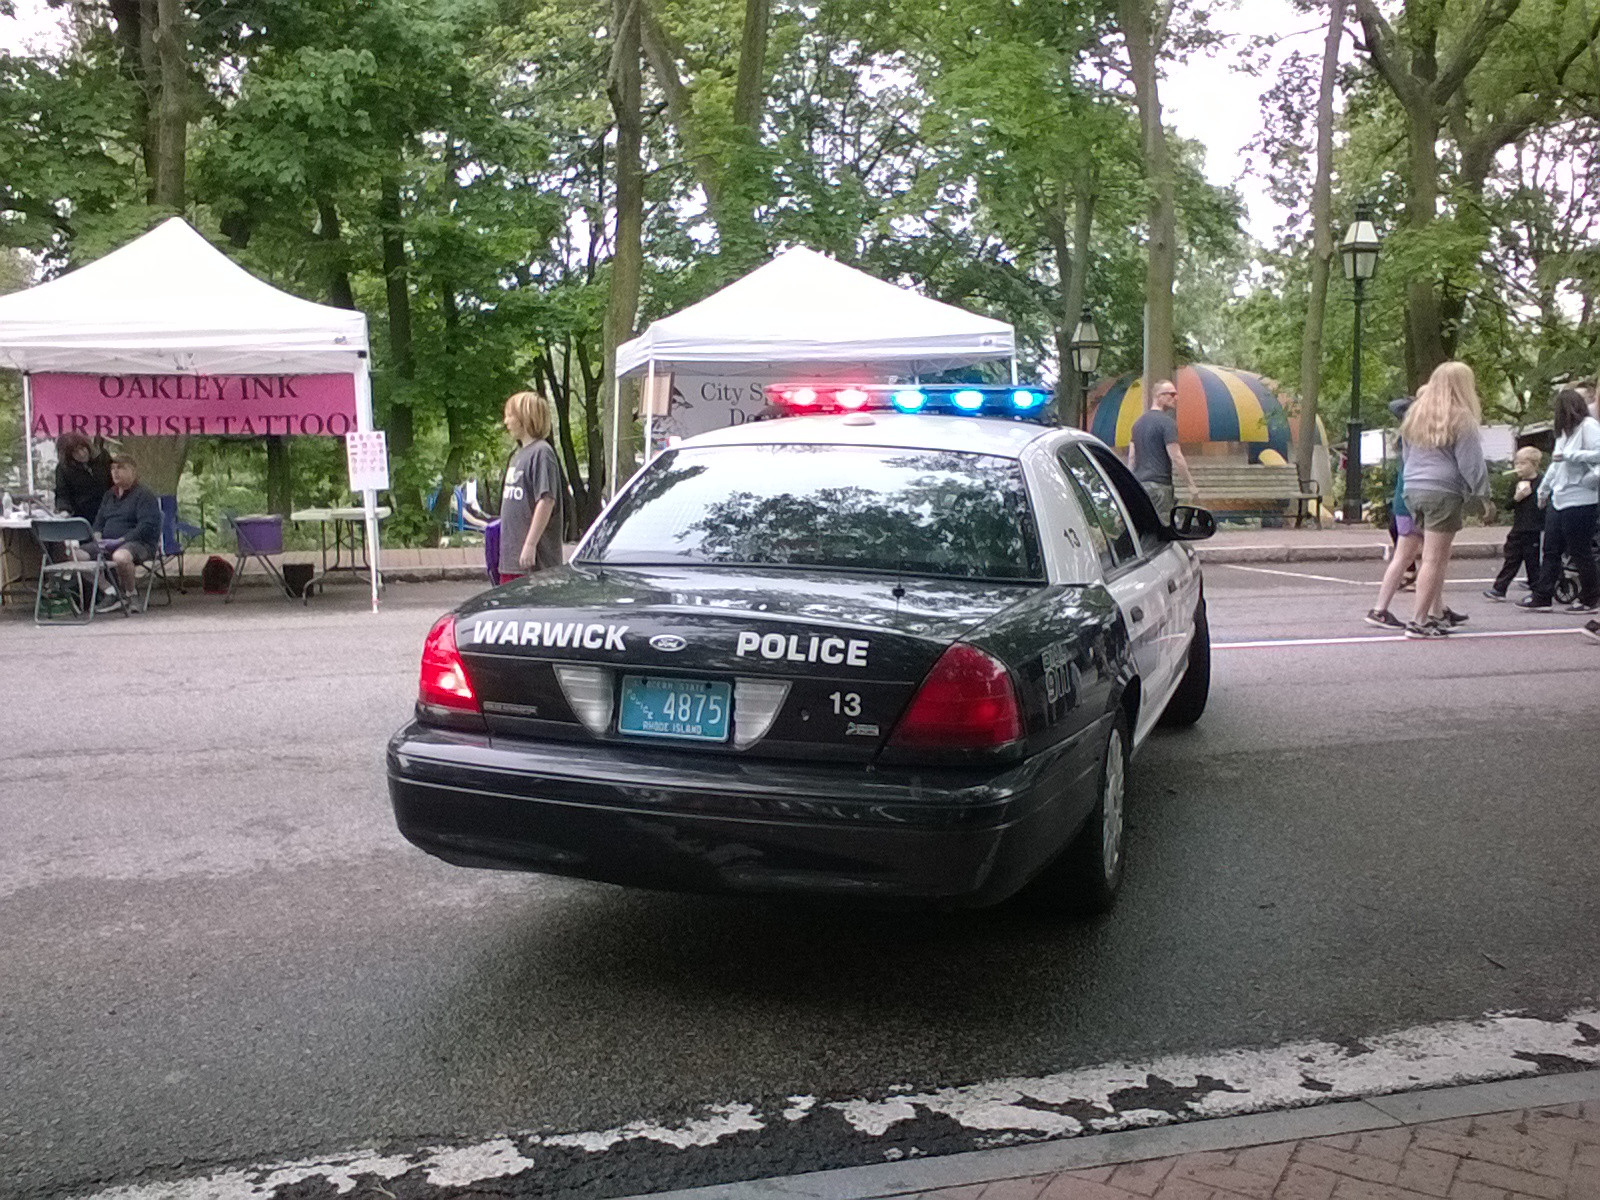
column 491, row 550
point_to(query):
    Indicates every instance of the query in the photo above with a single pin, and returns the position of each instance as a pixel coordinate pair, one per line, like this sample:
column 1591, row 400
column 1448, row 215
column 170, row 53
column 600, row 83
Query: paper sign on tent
column 367, row 454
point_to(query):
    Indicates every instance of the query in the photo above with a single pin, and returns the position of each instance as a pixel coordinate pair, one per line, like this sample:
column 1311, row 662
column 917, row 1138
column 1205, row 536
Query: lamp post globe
column 1085, row 350
column 1358, row 255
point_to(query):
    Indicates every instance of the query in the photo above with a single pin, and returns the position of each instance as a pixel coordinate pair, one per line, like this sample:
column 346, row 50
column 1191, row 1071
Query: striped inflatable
column 1215, row 404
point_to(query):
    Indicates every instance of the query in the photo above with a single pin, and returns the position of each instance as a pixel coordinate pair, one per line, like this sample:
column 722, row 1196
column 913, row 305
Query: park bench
column 1258, row 488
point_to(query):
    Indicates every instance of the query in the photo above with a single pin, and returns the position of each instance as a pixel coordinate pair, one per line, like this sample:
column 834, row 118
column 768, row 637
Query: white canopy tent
column 805, row 309
column 170, row 302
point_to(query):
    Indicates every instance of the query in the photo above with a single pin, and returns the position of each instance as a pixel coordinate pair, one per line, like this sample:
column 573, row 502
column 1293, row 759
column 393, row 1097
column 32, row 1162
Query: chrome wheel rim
column 1111, row 806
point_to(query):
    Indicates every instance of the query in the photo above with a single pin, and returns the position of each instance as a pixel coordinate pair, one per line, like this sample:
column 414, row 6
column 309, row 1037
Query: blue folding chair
column 176, row 537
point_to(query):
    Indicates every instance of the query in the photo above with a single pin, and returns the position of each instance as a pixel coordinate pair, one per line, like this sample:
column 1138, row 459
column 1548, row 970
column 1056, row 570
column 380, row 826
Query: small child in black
column 1527, row 524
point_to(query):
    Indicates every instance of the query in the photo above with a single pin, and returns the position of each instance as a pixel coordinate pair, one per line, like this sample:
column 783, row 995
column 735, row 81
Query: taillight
column 967, row 702
column 444, row 682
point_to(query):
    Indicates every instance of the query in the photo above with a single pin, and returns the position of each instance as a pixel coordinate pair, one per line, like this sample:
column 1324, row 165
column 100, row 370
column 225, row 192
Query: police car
column 902, row 647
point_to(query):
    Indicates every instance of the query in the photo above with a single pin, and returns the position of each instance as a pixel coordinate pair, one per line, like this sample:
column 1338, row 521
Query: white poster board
column 367, row 455
column 701, row 403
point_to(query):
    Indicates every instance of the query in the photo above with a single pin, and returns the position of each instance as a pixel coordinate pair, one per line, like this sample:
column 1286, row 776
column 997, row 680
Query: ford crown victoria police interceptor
column 873, row 654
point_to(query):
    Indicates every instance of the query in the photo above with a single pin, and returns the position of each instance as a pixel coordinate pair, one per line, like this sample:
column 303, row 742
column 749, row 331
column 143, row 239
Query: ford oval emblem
column 670, row 642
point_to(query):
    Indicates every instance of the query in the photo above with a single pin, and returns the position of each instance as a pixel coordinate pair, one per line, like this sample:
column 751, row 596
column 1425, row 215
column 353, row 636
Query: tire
column 1084, row 880
column 1188, row 701
column 1566, row 587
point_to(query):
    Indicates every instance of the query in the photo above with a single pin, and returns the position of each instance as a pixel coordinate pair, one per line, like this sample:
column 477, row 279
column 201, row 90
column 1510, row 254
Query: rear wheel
column 1566, row 586
column 1189, row 700
column 1084, row 880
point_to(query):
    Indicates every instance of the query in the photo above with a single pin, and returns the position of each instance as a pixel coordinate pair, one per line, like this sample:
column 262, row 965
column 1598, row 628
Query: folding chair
column 57, row 537
column 176, row 535
column 257, row 538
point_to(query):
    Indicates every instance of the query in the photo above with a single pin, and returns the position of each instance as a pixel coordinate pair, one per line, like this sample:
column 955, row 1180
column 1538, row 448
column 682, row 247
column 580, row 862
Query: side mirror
column 1191, row 524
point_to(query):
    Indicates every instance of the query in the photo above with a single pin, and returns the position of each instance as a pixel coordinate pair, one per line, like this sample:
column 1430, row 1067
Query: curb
column 1163, row 1141
column 1364, row 552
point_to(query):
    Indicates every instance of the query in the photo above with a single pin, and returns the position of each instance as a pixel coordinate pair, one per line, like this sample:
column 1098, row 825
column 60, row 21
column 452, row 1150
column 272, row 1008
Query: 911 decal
column 791, row 648
column 1060, row 672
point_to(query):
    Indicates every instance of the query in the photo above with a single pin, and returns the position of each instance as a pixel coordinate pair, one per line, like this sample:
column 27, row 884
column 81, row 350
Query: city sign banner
column 119, row 406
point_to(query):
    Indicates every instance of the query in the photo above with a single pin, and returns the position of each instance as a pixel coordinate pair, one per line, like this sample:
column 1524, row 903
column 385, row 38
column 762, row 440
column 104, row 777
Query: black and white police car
column 902, row 647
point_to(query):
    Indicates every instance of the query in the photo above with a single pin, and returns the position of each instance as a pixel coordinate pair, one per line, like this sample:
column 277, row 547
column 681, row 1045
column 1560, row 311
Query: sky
column 1204, row 99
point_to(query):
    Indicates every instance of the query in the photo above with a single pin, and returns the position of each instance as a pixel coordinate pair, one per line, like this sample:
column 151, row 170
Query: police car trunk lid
column 817, row 664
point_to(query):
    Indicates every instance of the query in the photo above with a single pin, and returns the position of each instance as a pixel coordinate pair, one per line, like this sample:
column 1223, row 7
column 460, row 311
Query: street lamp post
column 1358, row 253
column 1085, row 348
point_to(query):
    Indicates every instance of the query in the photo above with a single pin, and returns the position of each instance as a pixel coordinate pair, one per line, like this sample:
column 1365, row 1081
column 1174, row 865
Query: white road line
column 1328, row 578
column 1297, row 575
column 1456, row 636
column 1093, row 1099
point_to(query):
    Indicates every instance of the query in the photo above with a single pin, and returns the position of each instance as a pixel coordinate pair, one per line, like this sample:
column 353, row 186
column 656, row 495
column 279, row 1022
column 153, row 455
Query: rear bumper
column 671, row 820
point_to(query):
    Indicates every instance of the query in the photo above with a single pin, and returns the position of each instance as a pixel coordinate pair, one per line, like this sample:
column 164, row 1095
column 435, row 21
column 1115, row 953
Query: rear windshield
column 921, row 512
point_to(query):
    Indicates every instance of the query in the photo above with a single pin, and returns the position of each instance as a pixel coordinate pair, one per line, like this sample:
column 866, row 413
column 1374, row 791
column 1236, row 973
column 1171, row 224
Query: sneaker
column 1581, row 609
column 1534, row 604
column 1591, row 630
column 1427, row 629
column 1383, row 619
column 1491, row 594
column 1452, row 618
column 108, row 602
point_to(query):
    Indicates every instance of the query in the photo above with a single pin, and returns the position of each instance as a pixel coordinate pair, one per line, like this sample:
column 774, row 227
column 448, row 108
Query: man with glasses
column 1154, row 449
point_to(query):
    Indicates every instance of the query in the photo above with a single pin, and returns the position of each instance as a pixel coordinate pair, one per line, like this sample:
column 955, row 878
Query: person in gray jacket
column 1446, row 475
column 1570, row 497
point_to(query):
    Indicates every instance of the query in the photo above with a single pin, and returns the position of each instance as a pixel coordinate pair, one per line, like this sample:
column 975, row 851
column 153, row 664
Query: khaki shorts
column 1163, row 496
column 1436, row 512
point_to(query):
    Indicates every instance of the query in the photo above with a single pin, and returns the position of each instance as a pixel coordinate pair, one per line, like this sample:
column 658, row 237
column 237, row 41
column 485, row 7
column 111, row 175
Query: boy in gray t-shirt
column 530, row 500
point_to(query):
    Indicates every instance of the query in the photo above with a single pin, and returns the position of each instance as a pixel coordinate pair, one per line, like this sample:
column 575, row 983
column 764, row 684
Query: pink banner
column 118, row 406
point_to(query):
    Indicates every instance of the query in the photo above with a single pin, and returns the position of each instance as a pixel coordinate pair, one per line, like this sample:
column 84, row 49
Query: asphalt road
column 215, row 949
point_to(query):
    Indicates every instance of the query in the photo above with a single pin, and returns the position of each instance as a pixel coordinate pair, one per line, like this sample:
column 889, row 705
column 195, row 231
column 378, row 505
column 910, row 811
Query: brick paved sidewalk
column 1545, row 1153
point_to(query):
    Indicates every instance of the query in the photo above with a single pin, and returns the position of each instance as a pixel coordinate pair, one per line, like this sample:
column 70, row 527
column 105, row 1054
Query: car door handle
column 1136, row 613
column 1172, row 585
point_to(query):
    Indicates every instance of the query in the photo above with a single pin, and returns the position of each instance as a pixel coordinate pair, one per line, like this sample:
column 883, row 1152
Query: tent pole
column 616, row 433
column 649, row 411
column 27, row 432
column 1013, row 370
column 369, row 498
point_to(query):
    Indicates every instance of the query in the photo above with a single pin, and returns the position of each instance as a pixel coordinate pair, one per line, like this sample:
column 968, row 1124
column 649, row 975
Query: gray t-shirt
column 532, row 472
column 1152, row 434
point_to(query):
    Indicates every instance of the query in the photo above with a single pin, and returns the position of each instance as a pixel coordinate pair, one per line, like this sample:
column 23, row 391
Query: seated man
column 129, row 514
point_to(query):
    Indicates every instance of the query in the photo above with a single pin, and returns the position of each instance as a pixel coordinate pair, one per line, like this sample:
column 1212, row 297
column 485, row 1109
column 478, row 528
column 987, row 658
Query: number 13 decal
column 846, row 704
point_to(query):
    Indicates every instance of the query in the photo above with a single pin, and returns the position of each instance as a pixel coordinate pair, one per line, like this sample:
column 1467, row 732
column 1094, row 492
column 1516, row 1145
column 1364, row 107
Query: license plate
column 656, row 706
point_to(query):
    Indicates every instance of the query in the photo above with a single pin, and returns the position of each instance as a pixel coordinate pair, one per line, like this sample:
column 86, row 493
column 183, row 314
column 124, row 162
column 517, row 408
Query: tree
column 1144, row 26
column 1321, row 247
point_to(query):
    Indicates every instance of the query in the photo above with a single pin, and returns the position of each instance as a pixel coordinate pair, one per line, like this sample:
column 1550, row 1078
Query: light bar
column 961, row 399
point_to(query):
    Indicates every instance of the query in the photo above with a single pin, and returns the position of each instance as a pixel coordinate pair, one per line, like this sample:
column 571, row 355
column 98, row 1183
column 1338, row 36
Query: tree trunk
column 1425, row 347
column 1143, row 36
column 400, row 421
column 280, row 497
column 623, row 87
column 1321, row 250
column 172, row 118
column 1072, row 269
column 337, row 267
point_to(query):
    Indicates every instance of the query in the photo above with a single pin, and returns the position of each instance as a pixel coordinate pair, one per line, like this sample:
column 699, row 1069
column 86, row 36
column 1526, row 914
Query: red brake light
column 444, row 682
column 967, row 702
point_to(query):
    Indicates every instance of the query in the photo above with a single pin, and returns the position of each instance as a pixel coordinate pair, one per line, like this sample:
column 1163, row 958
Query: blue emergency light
column 962, row 399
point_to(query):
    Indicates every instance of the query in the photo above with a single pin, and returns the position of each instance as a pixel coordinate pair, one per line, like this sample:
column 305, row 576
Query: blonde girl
column 1445, row 476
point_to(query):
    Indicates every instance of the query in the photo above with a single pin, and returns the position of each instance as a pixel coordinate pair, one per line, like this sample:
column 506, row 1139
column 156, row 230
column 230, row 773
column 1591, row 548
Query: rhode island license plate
column 656, row 706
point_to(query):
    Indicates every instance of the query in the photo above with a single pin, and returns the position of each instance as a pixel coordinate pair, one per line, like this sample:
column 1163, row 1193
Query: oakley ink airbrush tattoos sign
column 119, row 406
